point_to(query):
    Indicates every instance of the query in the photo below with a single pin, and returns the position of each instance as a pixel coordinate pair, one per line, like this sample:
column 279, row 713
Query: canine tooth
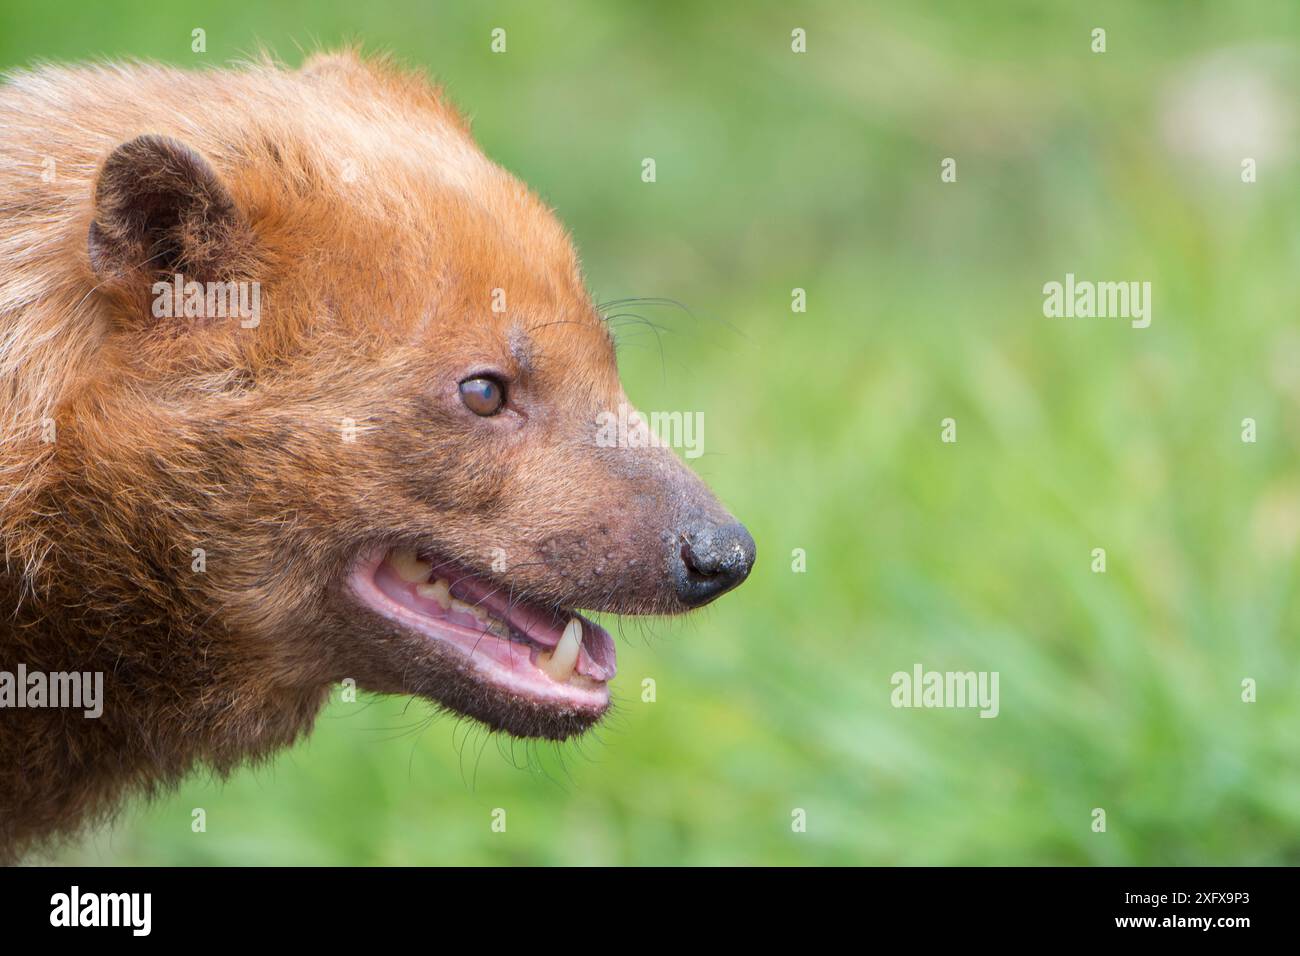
column 561, row 662
column 408, row 567
column 438, row 591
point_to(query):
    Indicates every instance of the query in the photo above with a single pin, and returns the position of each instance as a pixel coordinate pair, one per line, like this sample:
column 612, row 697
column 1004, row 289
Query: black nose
column 714, row 559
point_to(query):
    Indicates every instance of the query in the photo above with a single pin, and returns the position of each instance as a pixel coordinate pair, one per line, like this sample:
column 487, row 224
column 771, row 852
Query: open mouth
column 538, row 652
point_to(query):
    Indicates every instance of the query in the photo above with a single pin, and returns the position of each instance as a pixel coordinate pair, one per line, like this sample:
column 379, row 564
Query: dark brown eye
column 482, row 396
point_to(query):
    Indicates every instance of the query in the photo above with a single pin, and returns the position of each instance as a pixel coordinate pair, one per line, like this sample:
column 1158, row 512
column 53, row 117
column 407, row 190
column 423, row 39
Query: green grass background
column 821, row 171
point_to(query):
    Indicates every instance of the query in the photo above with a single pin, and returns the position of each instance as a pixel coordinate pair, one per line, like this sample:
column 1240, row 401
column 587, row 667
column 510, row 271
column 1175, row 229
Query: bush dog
column 388, row 473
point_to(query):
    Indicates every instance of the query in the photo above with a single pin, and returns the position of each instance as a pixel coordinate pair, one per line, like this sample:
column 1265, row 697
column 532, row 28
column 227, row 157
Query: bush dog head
column 300, row 387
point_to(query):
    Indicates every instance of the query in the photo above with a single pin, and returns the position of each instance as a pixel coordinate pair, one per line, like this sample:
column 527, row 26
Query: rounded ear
column 160, row 208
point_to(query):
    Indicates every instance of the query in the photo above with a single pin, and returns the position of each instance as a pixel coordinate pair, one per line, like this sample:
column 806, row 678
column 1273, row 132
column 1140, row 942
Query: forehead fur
column 356, row 156
column 356, row 176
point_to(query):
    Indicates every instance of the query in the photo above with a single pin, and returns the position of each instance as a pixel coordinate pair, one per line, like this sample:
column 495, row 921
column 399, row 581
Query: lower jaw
column 502, row 665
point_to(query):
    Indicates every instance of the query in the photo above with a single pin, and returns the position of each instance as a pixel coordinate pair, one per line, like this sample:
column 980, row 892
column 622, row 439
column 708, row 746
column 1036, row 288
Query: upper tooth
column 473, row 609
column 408, row 567
column 564, row 658
column 438, row 591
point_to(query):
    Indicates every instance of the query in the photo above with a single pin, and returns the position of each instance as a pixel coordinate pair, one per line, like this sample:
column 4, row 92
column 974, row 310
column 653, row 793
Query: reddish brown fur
column 174, row 434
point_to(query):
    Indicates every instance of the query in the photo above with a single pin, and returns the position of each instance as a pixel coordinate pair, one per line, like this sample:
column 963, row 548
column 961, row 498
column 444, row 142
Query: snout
column 712, row 559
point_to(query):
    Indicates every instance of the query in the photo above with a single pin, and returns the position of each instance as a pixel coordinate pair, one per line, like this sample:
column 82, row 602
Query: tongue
column 597, row 657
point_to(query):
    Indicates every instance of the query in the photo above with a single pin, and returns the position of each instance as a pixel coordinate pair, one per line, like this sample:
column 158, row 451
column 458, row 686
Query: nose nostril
column 693, row 564
column 713, row 561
